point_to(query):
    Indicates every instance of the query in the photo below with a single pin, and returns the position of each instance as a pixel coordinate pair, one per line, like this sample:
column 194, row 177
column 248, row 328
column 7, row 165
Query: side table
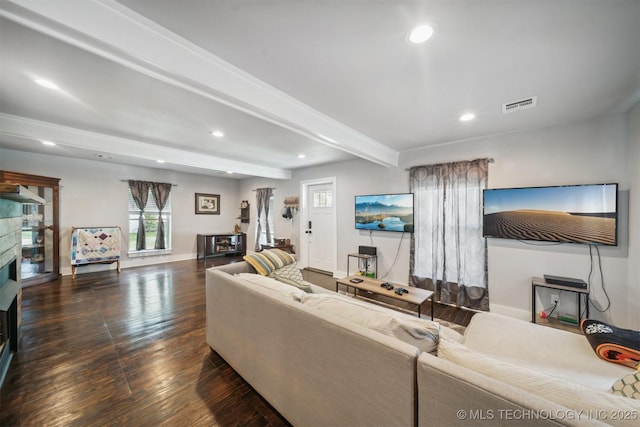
column 367, row 262
column 581, row 293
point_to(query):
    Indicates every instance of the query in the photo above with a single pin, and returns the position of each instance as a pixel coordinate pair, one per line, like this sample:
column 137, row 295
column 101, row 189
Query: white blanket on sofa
column 543, row 349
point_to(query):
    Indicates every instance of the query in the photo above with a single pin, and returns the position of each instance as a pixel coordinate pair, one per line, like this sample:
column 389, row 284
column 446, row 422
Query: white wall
column 603, row 149
column 92, row 194
column 352, row 178
column 591, row 151
column 633, row 280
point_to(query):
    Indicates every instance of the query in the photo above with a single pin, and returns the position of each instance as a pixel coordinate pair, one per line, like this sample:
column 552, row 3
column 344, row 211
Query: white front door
column 319, row 226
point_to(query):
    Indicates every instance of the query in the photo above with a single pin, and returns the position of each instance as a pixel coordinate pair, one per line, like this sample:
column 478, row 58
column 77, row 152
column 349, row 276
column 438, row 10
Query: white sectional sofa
column 327, row 364
column 315, row 368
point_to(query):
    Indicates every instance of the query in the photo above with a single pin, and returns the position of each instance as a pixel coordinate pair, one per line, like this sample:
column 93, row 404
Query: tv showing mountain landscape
column 385, row 212
column 572, row 213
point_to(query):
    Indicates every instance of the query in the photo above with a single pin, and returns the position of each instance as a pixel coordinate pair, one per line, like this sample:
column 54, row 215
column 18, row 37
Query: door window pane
column 323, row 199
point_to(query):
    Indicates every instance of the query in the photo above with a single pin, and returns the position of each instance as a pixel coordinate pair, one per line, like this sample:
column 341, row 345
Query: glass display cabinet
column 40, row 237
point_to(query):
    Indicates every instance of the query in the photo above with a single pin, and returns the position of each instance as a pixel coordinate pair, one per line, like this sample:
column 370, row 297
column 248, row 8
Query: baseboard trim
column 317, row 270
column 128, row 263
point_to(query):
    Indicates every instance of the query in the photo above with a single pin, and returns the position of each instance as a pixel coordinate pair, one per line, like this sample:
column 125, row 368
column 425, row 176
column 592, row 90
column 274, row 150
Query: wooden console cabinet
column 220, row 244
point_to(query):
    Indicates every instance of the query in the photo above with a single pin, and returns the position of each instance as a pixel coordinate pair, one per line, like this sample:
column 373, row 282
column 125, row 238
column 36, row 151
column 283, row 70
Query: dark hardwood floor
column 126, row 349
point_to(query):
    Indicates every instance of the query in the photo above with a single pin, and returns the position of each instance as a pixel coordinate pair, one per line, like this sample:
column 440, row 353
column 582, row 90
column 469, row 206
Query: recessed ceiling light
column 420, row 34
column 160, row 161
column 46, row 83
column 229, row 172
column 302, row 156
column 48, row 142
column 466, row 117
column 217, row 133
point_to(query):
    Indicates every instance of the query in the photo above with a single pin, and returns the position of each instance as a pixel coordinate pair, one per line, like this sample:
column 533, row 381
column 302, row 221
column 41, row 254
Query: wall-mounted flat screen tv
column 385, row 212
column 571, row 214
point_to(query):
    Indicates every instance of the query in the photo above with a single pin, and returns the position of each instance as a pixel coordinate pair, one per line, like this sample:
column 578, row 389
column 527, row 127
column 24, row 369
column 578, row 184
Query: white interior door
column 319, row 226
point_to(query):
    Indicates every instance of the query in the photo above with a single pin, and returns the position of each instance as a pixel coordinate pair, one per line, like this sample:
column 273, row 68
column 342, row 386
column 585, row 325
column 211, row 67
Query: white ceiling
column 142, row 80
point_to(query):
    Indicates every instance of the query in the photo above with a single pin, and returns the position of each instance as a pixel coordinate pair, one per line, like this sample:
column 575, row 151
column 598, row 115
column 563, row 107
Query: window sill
column 148, row 252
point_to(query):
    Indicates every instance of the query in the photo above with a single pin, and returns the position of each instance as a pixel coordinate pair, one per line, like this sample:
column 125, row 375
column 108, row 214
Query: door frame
column 304, row 215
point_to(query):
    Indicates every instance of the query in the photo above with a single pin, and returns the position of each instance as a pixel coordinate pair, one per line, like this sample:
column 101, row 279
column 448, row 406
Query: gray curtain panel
column 140, row 193
column 262, row 202
column 448, row 252
column 160, row 193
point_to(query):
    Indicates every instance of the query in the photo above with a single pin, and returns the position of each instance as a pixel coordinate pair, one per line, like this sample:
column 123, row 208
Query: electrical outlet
column 555, row 297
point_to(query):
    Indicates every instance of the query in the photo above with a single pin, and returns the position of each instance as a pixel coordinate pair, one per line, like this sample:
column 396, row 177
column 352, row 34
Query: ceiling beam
column 22, row 127
column 109, row 29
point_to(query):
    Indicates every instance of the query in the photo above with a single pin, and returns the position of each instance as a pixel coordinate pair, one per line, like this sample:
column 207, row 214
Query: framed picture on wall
column 207, row 204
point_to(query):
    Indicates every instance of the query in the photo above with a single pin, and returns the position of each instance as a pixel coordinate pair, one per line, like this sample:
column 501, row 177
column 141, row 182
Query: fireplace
column 12, row 198
column 9, row 288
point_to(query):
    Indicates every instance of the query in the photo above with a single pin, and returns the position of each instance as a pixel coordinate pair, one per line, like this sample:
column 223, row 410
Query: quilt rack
column 95, row 245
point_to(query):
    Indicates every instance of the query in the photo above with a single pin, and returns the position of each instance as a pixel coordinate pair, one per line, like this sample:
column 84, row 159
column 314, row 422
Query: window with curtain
column 448, row 252
column 264, row 238
column 150, row 226
column 264, row 226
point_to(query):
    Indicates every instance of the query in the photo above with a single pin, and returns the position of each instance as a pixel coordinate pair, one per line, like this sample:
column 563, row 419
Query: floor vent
column 524, row 104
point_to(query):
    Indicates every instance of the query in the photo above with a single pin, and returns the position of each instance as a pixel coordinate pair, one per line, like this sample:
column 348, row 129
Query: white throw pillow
column 412, row 330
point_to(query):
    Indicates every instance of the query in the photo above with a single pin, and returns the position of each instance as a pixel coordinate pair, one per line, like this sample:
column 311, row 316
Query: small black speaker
column 367, row 250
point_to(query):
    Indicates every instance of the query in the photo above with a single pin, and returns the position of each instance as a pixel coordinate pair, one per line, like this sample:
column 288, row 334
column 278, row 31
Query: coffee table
column 415, row 296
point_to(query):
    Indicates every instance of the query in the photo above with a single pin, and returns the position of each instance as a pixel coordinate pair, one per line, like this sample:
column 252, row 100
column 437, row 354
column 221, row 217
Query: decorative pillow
column 613, row 344
column 412, row 330
column 291, row 275
column 278, row 257
column 628, row 386
column 260, row 262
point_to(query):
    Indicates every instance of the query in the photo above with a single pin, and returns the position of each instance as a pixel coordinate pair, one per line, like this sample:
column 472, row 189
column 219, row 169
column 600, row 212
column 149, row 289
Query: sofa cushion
column 277, row 287
column 260, row 262
column 412, row 330
column 568, row 394
column 448, row 332
column 629, row 386
column 291, row 275
column 551, row 351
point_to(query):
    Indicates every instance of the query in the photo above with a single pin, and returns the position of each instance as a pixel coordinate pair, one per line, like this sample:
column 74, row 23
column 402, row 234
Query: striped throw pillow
column 260, row 262
column 278, row 257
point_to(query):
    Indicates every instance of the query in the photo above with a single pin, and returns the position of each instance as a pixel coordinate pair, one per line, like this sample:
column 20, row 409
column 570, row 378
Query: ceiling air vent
column 523, row 104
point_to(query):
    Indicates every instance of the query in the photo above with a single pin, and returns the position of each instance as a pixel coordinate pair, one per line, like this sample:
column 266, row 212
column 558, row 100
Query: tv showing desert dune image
column 571, row 214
